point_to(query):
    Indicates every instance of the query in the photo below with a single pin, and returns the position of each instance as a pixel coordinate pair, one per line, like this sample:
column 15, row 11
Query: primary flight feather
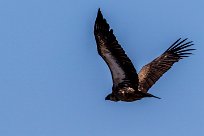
column 127, row 84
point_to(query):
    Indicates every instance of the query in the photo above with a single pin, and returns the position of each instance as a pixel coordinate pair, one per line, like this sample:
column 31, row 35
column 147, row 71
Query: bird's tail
column 150, row 95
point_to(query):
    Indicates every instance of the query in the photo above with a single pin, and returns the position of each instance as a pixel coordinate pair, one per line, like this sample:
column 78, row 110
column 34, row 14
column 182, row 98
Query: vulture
column 129, row 86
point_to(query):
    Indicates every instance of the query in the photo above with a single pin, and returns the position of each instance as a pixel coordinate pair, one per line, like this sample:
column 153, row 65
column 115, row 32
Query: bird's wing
column 121, row 67
column 151, row 72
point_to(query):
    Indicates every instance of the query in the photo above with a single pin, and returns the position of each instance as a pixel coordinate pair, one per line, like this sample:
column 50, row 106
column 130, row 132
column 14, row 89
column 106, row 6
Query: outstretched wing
column 151, row 72
column 121, row 67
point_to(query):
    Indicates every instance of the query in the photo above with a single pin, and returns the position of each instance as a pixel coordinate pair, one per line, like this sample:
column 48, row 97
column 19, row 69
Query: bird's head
column 111, row 97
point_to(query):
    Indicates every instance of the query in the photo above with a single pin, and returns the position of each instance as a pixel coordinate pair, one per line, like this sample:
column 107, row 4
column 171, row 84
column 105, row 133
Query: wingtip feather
column 99, row 14
column 181, row 48
column 101, row 23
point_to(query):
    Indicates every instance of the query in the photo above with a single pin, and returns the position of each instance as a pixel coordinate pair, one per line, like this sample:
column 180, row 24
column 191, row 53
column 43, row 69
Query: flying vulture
column 129, row 86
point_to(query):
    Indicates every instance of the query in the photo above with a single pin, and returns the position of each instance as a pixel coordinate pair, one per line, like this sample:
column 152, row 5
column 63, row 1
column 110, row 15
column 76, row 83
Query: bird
column 128, row 86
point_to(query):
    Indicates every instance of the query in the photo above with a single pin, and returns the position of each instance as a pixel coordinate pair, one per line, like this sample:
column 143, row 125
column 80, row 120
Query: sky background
column 53, row 82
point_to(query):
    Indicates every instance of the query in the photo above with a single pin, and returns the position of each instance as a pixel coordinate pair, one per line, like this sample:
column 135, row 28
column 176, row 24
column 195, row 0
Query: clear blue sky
column 53, row 82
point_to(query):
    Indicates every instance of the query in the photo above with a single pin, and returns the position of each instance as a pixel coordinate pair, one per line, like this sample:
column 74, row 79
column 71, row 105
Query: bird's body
column 127, row 94
column 127, row 84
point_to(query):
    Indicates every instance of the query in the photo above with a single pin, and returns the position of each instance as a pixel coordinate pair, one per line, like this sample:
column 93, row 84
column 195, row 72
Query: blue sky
column 53, row 82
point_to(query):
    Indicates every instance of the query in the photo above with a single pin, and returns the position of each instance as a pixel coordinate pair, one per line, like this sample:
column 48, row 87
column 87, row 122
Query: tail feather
column 150, row 95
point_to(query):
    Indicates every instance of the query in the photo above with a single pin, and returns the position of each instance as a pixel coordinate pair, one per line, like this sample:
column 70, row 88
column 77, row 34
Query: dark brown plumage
column 127, row 85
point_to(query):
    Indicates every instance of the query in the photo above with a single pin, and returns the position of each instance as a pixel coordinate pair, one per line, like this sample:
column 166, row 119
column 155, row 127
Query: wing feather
column 121, row 67
column 151, row 72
